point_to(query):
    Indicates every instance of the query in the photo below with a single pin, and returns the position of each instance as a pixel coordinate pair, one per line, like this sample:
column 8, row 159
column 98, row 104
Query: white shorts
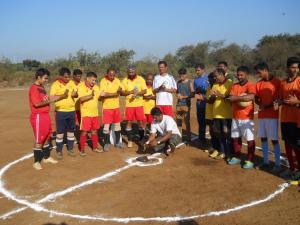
column 268, row 128
column 242, row 128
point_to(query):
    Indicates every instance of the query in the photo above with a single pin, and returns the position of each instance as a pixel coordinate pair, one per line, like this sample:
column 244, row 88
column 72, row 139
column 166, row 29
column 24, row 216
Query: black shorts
column 222, row 126
column 65, row 122
column 290, row 133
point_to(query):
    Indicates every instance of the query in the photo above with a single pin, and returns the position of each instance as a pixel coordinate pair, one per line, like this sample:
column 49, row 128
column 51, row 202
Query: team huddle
column 225, row 108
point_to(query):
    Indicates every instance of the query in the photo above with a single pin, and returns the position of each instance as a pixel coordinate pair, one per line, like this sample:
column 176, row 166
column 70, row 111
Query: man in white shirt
column 164, row 132
column 164, row 86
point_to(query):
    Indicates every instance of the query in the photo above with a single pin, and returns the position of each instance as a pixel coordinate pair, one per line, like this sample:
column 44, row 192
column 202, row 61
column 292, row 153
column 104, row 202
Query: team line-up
column 223, row 106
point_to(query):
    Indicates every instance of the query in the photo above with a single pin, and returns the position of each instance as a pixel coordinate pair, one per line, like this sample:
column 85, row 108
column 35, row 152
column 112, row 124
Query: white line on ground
column 39, row 208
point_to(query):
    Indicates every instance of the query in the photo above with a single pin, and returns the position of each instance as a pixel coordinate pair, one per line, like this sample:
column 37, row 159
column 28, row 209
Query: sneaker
column 83, row 154
column 98, row 150
column 264, row 166
column 50, row 160
column 286, row 174
column 233, row 161
column 106, row 147
column 129, row 144
column 220, row 156
column 276, row 170
column 37, row 166
column 248, row 165
column 59, row 155
column 120, row 145
column 296, row 175
column 71, row 152
column 214, row 154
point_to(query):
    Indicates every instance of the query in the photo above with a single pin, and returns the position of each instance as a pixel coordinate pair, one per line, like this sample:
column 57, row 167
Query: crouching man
column 164, row 133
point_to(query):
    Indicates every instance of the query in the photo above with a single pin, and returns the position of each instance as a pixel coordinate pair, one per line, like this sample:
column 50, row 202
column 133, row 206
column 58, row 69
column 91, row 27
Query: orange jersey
column 239, row 112
column 268, row 91
column 289, row 113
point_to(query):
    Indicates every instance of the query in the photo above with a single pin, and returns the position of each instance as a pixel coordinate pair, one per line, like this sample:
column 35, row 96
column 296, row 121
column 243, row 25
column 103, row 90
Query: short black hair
column 156, row 111
column 182, row 71
column 41, row 72
column 244, row 69
column 220, row 71
column 262, row 66
column 292, row 60
column 110, row 69
column 200, row 65
column 91, row 74
column 77, row 72
column 162, row 62
column 223, row 62
column 64, row 70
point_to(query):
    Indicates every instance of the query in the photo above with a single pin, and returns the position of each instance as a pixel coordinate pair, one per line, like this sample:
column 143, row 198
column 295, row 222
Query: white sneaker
column 37, row 166
column 50, row 160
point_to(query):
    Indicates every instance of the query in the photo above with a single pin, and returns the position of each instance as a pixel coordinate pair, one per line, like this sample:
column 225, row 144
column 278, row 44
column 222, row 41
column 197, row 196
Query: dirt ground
column 187, row 183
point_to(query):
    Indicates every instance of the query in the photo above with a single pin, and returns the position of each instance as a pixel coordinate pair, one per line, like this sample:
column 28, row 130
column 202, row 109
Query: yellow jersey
column 59, row 88
column 110, row 87
column 77, row 103
column 221, row 107
column 149, row 103
column 137, row 83
column 208, row 107
column 90, row 107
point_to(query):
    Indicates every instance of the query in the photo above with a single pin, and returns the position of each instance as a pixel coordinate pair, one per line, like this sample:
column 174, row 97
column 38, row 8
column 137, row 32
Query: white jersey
column 162, row 97
column 167, row 124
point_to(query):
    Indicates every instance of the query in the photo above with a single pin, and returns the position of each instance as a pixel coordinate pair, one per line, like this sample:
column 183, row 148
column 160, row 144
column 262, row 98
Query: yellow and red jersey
column 137, row 83
column 109, row 86
column 90, row 107
column 58, row 88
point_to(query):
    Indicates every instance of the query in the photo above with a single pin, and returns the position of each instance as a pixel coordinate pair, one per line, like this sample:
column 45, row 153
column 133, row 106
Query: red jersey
column 289, row 112
column 268, row 91
column 240, row 113
column 37, row 94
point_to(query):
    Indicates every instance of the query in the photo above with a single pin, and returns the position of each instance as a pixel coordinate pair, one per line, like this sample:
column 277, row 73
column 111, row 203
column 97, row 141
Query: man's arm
column 87, row 97
column 244, row 98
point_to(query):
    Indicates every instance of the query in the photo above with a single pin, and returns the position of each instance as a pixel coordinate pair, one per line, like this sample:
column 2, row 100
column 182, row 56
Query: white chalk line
column 37, row 207
column 53, row 196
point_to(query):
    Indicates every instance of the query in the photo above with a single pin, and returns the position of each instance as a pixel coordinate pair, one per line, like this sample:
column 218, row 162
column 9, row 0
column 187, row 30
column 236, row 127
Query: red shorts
column 110, row 116
column 89, row 123
column 41, row 125
column 134, row 113
column 148, row 118
column 77, row 117
column 166, row 109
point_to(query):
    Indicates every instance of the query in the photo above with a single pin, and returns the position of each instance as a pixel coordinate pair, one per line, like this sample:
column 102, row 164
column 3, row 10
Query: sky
column 49, row 29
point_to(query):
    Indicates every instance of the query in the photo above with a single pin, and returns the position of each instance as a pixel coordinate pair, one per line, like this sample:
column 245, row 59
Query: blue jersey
column 201, row 85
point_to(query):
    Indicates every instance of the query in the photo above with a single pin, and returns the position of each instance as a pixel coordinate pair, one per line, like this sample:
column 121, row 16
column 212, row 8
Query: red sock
column 237, row 146
column 95, row 141
column 289, row 155
column 82, row 142
column 251, row 150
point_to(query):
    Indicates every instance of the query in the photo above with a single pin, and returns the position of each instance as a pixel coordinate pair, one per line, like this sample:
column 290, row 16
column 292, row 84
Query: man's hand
column 199, row 97
column 74, row 94
column 103, row 94
column 179, row 96
column 65, row 94
column 292, row 100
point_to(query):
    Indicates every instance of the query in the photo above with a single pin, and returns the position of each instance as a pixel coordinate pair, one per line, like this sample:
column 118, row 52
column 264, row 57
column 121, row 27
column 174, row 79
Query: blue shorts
column 65, row 122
